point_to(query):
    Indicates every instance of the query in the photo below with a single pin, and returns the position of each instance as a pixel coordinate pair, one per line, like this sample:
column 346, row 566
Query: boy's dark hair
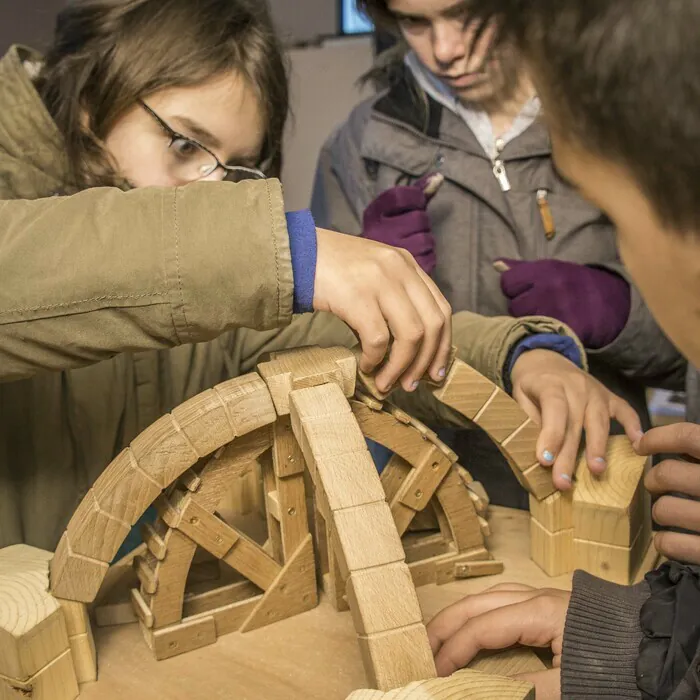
column 620, row 78
column 108, row 54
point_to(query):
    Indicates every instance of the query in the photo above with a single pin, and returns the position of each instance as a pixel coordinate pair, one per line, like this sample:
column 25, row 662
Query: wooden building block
column 291, row 593
column 552, row 552
column 73, row 576
column 537, row 480
column 248, row 403
column 203, row 419
column 76, row 617
column 113, row 614
column 287, row 457
column 474, row 569
column 365, row 536
column 56, row 681
column 383, row 599
column 465, row 390
column 32, row 624
column 393, row 659
column 294, row 521
column 142, row 611
column 182, row 638
column 305, row 368
column 125, row 491
column 501, row 417
column 522, row 444
column 209, row 601
column 611, row 562
column 163, row 451
column 94, row 533
column 456, row 507
column 554, row 513
column 84, row 655
column 509, row 662
column 251, row 561
column 463, row 685
column 337, row 479
column 610, row 508
column 153, row 540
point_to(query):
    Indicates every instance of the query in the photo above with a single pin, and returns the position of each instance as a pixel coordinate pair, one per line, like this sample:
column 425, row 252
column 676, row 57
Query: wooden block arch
column 241, row 420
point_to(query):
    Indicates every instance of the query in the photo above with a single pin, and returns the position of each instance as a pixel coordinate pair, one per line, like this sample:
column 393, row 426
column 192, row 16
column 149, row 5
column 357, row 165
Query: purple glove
column 595, row 303
column 399, row 217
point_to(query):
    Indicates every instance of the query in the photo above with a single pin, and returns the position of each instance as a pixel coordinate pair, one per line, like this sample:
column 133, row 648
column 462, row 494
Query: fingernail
column 442, row 373
column 566, row 477
column 414, row 386
column 547, row 456
column 600, row 462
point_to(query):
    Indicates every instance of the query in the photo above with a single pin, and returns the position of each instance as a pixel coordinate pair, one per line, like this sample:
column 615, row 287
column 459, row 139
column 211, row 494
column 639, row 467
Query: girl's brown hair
column 108, row 54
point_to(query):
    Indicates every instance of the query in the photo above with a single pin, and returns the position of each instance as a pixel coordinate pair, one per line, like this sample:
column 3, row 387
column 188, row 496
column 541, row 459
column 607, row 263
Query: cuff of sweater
column 601, row 640
column 304, row 251
column 562, row 344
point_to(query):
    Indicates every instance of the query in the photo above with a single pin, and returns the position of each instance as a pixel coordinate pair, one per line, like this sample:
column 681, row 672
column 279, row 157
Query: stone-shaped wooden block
column 552, row 552
column 372, row 595
column 611, row 508
column 394, row 659
column 304, row 368
column 554, row 513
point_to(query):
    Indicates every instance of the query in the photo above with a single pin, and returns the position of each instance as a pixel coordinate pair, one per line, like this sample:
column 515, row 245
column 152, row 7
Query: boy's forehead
column 428, row 8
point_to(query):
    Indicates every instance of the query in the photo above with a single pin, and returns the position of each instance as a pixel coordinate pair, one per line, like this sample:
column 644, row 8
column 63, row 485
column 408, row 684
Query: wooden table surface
column 313, row 656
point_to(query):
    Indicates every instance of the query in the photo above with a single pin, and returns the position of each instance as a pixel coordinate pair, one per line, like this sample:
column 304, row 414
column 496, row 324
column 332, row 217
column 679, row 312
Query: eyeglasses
column 190, row 161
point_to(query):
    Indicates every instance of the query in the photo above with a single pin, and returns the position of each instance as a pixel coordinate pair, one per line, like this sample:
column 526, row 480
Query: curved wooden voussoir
column 480, row 400
column 153, row 461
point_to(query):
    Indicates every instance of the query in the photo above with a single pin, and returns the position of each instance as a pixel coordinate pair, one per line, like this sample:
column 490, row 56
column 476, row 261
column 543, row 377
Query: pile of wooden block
column 603, row 525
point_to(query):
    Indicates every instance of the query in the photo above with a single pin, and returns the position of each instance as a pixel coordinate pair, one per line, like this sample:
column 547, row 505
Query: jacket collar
column 407, row 105
column 28, row 134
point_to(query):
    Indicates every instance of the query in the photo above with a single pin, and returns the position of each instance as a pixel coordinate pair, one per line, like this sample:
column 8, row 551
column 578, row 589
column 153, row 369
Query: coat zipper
column 499, row 167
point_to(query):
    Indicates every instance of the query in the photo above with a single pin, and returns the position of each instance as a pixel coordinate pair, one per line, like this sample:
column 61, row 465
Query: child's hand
column 499, row 618
column 675, row 476
column 382, row 293
column 564, row 400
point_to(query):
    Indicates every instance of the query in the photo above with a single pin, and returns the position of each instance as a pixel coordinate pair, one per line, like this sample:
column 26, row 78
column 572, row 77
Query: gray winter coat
column 403, row 133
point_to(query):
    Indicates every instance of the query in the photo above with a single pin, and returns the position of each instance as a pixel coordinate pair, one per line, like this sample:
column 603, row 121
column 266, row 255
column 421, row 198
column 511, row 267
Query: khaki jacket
column 117, row 306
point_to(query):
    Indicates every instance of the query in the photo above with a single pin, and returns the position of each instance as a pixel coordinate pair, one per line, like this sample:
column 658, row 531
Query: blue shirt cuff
column 302, row 243
column 562, row 344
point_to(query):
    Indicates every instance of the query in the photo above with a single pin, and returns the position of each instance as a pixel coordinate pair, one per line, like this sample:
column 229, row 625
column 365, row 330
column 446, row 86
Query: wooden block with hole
column 612, row 508
column 463, row 685
column 307, row 367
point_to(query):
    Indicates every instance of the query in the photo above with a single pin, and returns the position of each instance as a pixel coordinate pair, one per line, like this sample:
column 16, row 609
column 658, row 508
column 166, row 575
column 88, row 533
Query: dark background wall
column 27, row 22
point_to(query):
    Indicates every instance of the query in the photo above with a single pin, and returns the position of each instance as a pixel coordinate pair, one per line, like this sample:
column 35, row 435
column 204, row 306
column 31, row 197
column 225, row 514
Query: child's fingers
column 627, row 417
column 554, row 409
column 678, row 546
column 674, row 476
column 670, row 511
column 565, row 463
column 447, row 623
column 597, row 424
column 680, row 438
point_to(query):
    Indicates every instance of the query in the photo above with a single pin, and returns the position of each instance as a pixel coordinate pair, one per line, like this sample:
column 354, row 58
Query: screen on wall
column 352, row 21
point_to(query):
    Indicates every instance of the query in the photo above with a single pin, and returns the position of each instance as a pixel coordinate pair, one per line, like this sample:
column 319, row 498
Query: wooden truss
column 299, row 414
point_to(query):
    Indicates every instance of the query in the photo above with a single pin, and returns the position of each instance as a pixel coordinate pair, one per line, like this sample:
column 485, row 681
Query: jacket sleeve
column 601, row 640
column 103, row 272
column 484, row 343
column 642, row 351
column 330, row 204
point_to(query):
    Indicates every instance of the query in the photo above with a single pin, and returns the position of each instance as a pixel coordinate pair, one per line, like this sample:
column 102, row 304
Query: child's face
column 444, row 39
column 223, row 115
column 664, row 264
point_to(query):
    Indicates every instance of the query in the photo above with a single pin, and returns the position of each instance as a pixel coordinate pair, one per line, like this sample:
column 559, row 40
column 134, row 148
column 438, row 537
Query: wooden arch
column 297, row 410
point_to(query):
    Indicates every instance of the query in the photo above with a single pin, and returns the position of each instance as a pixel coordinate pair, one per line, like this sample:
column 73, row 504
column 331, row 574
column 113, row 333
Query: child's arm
column 609, row 641
column 103, row 272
